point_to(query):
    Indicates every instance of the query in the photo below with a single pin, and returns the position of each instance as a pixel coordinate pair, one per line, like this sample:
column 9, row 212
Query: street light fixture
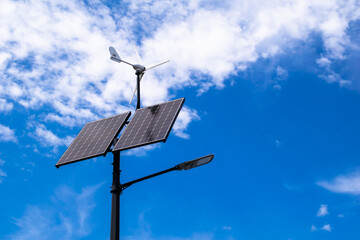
column 195, row 163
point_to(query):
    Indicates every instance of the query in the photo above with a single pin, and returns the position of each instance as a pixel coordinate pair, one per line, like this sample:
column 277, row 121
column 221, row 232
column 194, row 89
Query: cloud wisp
column 7, row 134
column 323, row 211
column 67, row 217
column 5, row 106
column 313, row 228
column 346, row 184
column 2, row 172
column 144, row 233
column 326, row 227
column 48, row 138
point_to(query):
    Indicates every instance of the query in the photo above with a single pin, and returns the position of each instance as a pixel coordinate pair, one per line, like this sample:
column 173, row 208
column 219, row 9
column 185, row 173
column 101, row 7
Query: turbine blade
column 115, row 56
column 138, row 55
column 155, row 65
column 132, row 97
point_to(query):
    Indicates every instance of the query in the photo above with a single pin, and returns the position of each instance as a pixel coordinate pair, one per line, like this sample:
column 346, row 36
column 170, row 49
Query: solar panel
column 94, row 139
column 149, row 125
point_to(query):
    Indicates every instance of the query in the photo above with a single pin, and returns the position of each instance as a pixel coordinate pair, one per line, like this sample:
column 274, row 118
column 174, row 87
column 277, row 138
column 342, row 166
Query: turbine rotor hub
column 139, row 68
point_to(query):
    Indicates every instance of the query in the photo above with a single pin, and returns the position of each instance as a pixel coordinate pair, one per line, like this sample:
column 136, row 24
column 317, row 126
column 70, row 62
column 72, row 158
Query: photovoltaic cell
column 94, row 139
column 149, row 125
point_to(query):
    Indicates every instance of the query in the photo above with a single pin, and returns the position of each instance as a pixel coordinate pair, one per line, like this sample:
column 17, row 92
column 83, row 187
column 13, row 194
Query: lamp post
column 117, row 187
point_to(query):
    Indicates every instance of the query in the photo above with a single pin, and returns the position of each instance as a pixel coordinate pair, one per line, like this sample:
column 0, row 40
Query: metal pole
column 115, row 201
column 138, row 89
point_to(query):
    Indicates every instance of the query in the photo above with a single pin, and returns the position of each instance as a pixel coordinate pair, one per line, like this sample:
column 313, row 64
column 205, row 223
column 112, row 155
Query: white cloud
column 7, row 134
column 348, row 184
column 185, row 117
column 326, row 227
column 313, row 228
column 48, row 138
column 323, row 211
column 5, row 106
column 2, row 174
column 333, row 77
column 149, row 236
column 142, row 151
column 67, row 217
column 281, row 73
column 323, row 62
column 277, row 86
column 227, row 228
column 64, row 53
column 64, row 63
column 144, row 233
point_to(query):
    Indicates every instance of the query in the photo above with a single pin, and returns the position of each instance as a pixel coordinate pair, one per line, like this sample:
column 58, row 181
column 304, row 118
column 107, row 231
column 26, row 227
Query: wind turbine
column 139, row 70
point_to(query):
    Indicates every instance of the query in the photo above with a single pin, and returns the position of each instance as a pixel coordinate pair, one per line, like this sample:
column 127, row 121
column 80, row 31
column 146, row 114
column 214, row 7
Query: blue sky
column 272, row 90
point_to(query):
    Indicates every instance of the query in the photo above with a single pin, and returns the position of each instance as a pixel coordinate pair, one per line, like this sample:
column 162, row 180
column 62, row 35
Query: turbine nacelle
column 139, row 68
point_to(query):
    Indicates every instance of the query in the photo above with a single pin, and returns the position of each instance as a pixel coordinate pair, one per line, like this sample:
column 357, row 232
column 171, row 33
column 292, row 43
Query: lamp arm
column 128, row 184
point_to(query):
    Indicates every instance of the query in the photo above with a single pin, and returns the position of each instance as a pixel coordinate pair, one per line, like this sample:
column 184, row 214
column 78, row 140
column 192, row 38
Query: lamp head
column 195, row 163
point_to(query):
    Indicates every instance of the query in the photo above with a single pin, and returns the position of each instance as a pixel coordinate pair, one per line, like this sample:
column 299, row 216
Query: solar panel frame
column 129, row 132
column 94, row 139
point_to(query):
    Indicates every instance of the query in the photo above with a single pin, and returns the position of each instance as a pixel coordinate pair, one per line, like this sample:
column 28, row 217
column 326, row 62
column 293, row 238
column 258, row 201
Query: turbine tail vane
column 115, row 56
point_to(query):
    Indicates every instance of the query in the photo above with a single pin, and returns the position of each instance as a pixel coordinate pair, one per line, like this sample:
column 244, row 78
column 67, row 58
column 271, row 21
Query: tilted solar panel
column 94, row 139
column 149, row 125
